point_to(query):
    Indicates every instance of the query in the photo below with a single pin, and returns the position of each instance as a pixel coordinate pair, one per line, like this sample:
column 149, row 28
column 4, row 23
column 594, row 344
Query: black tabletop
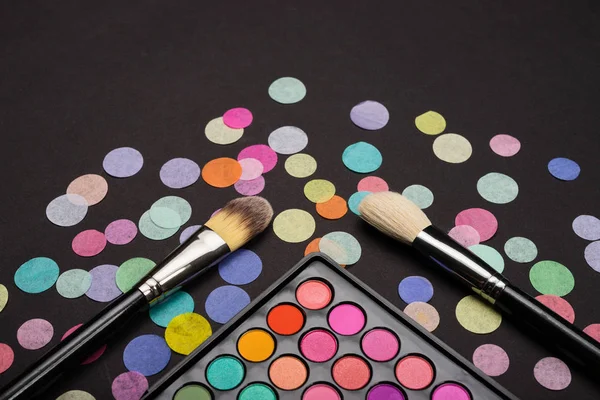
column 80, row 79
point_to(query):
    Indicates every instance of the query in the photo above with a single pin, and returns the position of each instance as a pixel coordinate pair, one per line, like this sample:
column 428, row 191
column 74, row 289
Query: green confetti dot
column 152, row 231
column 37, row 275
column 176, row 304
column 550, row 277
column 165, row 217
column 520, row 249
column 497, row 188
column 73, row 283
column 490, row 255
column 420, row 195
column 131, row 271
column 177, row 204
column 287, row 90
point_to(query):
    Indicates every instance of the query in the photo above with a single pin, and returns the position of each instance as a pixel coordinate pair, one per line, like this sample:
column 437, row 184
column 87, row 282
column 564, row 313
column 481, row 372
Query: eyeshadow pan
column 285, row 319
column 450, row 391
column 414, row 372
column 351, row 372
column 318, row 345
column 385, row 391
column 257, row 391
column 380, row 344
column 256, row 345
column 225, row 373
column 193, row 391
column 346, row 319
column 321, row 391
column 288, row 372
column 314, row 294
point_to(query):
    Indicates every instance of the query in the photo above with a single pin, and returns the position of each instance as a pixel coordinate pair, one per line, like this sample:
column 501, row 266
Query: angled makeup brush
column 398, row 217
column 234, row 225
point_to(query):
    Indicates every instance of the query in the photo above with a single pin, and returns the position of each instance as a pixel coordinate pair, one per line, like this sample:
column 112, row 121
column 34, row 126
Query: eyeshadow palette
column 321, row 334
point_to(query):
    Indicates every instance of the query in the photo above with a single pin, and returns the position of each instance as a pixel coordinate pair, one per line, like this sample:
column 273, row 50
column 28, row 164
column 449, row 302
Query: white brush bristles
column 394, row 215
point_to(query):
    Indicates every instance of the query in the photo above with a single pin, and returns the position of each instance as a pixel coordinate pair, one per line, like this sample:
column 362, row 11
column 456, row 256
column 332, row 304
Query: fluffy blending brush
column 398, row 217
column 232, row 227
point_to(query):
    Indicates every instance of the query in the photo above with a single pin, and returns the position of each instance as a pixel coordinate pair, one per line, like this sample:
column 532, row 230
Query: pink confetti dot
column 7, row 356
column 552, row 373
column 89, row 243
column 121, row 231
column 92, row 357
column 491, row 359
column 505, row 145
column 237, row 118
column 251, row 169
column 35, row 334
column 262, row 153
column 482, row 220
column 250, row 188
column 593, row 330
column 129, row 386
column 558, row 305
column 466, row 235
column 372, row 184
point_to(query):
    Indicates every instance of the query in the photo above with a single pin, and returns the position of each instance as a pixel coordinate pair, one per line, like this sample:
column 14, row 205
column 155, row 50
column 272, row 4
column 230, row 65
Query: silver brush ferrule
column 202, row 250
column 460, row 262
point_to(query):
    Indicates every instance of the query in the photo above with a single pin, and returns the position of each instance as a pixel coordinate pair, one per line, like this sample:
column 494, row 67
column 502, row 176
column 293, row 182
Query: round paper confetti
column 262, row 153
column 35, row 334
column 250, row 188
column 73, row 283
column 415, row 288
column 354, row 201
column 92, row 357
column 482, row 220
column 312, row 247
column 497, row 188
column 558, row 305
column 592, row 255
column 419, row 194
column 372, row 184
column 334, row 208
column 423, row 313
column 477, row 316
column 593, row 330
column 287, row 90
column 3, row 297
column 240, row 267
column 362, row 157
column 520, row 249
column 288, row 140
column 225, row 302
column 505, row 146
column 178, row 204
column 550, row 277
column 91, row 187
column 466, row 235
column 129, row 386
column 121, row 231
column 67, row 210
column 491, row 359
column 342, row 247
column 123, row 162
column 564, row 169
column 452, row 148
column 179, row 173
column 490, row 255
column 217, row 132
column 104, row 286
column 88, row 243
column 237, row 118
column 319, row 190
column 76, row 395
column 131, row 271
column 186, row 332
column 36, row 275
column 146, row 354
column 552, row 373
column 7, row 356
column 165, row 217
column 222, row 172
column 152, row 231
column 177, row 303
column 430, row 123
column 587, row 227
column 251, row 168
column 188, row 232
column 301, row 165
column 370, row 115
column 294, row 225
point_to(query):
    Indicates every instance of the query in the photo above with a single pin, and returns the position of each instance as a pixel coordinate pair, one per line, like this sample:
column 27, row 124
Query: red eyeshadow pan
column 351, row 372
column 285, row 319
column 414, row 372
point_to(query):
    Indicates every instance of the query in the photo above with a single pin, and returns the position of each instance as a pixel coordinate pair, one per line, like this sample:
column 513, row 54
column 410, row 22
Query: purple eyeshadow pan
column 385, row 391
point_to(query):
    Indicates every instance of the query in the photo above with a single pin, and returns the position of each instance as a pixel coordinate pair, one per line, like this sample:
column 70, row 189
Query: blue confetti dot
column 241, row 267
column 225, row 302
column 176, row 304
column 362, row 157
column 415, row 288
column 564, row 169
column 354, row 201
column 37, row 275
column 147, row 354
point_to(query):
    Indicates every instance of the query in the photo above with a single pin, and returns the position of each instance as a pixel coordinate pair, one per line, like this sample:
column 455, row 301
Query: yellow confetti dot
column 452, row 148
column 301, row 165
column 294, row 225
column 76, row 395
column 217, row 132
column 425, row 314
column 187, row 331
column 477, row 316
column 430, row 123
column 3, row 297
column 319, row 190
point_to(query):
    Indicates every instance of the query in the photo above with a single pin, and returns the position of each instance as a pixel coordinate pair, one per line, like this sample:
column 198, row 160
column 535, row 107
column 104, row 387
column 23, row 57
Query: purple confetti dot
column 587, row 227
column 104, row 286
column 129, row 386
column 415, row 288
column 250, row 188
column 121, row 231
column 592, row 255
column 147, row 354
column 123, row 162
column 370, row 115
column 179, row 173
column 188, row 232
column 225, row 302
column 240, row 267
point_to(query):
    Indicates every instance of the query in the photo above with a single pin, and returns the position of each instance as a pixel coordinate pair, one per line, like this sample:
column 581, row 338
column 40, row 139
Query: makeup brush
column 233, row 226
column 398, row 217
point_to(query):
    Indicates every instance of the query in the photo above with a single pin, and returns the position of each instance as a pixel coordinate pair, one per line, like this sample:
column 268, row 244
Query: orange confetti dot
column 312, row 247
column 334, row 208
column 222, row 172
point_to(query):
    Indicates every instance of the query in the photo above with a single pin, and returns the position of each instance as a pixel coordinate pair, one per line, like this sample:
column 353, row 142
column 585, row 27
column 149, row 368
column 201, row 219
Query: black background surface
column 80, row 79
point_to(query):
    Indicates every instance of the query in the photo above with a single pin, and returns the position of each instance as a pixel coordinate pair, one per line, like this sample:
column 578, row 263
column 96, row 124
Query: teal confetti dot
column 490, row 255
column 73, row 283
column 225, row 373
column 362, row 157
column 354, row 201
column 551, row 277
column 342, row 247
column 165, row 217
column 287, row 90
column 520, row 249
column 420, row 195
column 177, row 204
column 176, row 304
column 37, row 275
column 497, row 188
column 152, row 231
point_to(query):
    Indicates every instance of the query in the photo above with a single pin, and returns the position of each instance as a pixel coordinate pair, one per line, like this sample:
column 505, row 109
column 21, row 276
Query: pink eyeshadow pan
column 380, row 344
column 314, row 295
column 321, row 391
column 346, row 319
column 318, row 345
column 450, row 391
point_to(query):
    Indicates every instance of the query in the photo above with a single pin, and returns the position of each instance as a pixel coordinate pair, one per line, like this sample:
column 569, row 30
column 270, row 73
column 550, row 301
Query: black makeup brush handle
column 551, row 328
column 74, row 349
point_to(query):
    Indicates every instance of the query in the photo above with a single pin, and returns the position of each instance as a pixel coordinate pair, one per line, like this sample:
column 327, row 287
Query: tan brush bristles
column 241, row 219
column 394, row 215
